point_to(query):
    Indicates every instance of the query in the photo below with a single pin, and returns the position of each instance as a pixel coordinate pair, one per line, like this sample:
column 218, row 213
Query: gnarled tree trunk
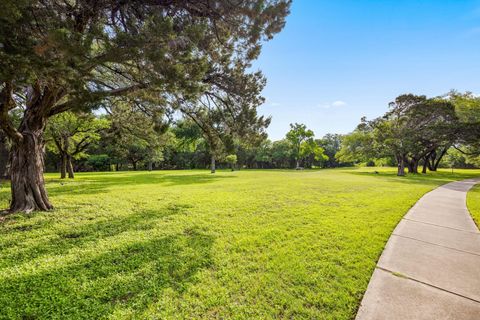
column 27, row 182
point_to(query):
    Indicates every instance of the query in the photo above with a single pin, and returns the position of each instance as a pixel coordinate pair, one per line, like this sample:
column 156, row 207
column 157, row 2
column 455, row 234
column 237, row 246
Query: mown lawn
column 188, row 244
column 473, row 203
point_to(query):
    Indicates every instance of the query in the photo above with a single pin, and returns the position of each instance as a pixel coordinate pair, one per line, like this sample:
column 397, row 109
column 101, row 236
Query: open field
column 188, row 244
column 473, row 203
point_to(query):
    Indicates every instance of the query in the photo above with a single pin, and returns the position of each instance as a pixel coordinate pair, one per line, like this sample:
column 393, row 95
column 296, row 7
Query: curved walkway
column 430, row 267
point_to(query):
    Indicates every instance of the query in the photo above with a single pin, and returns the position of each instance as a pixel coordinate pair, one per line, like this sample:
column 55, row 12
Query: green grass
column 473, row 203
column 188, row 244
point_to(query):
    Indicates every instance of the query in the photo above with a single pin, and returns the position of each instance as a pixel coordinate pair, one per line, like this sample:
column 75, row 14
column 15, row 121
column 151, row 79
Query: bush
column 99, row 162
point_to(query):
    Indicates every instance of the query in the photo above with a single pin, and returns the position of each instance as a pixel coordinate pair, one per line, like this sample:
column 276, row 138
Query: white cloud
column 339, row 103
column 335, row 104
column 274, row 104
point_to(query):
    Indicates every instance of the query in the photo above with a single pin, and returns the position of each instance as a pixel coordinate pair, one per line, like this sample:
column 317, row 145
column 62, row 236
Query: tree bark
column 412, row 166
column 63, row 166
column 401, row 166
column 71, row 174
column 27, row 182
column 437, row 162
column 212, row 164
column 150, row 165
column 4, row 153
column 425, row 164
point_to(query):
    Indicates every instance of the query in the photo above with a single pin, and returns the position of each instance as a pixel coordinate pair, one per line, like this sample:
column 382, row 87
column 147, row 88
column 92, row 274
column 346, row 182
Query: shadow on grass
column 82, row 235
column 100, row 183
column 96, row 284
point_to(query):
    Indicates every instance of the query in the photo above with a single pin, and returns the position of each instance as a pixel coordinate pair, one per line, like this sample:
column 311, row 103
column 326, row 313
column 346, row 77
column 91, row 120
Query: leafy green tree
column 57, row 56
column 264, row 153
column 299, row 136
column 135, row 136
column 70, row 135
column 357, row 147
column 331, row 144
column 412, row 130
column 467, row 108
column 282, row 154
column 231, row 160
column 310, row 151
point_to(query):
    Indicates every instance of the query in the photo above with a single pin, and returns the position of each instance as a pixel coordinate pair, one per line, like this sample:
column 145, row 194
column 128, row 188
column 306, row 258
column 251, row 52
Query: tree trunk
column 437, row 162
column 412, row 166
column 212, row 164
column 134, row 164
column 297, row 164
column 28, row 185
column 401, row 166
column 3, row 157
column 150, row 165
column 63, row 166
column 71, row 174
column 425, row 164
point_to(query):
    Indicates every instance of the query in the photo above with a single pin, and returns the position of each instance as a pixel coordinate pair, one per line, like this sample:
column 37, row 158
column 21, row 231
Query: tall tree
column 60, row 55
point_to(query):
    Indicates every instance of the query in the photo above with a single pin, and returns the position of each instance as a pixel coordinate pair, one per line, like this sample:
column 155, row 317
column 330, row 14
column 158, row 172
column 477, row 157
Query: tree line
column 128, row 140
column 419, row 131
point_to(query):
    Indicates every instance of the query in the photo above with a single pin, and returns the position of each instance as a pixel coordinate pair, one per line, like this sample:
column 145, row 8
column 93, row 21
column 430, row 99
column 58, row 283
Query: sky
column 338, row 60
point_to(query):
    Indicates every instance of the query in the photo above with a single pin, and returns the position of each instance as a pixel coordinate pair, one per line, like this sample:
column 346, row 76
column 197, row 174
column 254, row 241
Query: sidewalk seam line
column 426, row 283
column 437, row 225
column 438, row 245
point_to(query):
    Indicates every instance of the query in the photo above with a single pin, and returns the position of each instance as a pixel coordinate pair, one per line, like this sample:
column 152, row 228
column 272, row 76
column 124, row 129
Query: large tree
column 60, row 55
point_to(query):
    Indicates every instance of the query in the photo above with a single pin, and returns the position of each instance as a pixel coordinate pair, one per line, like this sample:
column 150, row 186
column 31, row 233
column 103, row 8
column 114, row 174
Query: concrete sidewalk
column 430, row 268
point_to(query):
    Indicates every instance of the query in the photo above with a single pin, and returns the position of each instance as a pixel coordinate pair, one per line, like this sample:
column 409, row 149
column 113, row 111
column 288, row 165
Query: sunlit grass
column 188, row 244
column 473, row 203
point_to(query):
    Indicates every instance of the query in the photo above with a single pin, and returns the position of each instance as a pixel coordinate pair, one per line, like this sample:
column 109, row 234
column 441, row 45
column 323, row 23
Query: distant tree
column 231, row 160
column 298, row 135
column 467, row 108
column 282, row 154
column 358, row 146
column 310, row 152
column 331, row 144
column 135, row 136
column 69, row 135
column 413, row 130
column 263, row 154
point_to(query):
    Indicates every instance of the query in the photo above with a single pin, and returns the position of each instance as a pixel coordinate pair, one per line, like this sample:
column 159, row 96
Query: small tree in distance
column 303, row 143
column 232, row 160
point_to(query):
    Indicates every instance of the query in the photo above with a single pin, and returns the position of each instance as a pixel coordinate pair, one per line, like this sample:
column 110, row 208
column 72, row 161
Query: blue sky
column 339, row 60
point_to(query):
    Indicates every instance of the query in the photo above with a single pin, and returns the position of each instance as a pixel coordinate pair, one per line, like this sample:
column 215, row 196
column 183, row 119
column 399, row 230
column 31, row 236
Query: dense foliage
column 158, row 57
column 419, row 131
